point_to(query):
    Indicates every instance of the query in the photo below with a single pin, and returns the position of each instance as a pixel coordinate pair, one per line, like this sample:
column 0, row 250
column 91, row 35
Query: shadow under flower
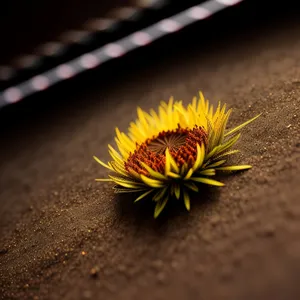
column 140, row 214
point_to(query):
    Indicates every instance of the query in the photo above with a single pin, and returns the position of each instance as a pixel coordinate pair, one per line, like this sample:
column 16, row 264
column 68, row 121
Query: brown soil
column 64, row 236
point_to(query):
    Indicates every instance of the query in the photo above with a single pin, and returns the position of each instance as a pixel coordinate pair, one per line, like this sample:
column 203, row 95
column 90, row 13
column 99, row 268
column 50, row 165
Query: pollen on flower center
column 171, row 140
column 182, row 144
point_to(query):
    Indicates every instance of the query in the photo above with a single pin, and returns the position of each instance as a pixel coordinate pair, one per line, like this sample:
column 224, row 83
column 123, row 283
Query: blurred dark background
column 25, row 24
column 37, row 37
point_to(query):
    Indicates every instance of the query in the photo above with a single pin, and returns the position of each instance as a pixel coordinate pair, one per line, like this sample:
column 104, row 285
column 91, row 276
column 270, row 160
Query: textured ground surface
column 63, row 236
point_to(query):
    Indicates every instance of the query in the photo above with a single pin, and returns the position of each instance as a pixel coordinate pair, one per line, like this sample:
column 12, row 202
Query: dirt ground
column 64, row 236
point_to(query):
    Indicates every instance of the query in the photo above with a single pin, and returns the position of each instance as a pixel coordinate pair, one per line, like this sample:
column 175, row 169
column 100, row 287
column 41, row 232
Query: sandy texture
column 63, row 236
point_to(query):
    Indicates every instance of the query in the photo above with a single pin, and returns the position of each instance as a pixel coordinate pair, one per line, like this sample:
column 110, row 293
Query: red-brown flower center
column 182, row 144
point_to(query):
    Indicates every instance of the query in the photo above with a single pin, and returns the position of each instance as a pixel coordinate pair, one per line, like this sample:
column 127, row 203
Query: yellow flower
column 173, row 151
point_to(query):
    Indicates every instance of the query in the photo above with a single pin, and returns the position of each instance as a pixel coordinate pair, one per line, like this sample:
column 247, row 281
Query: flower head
column 169, row 153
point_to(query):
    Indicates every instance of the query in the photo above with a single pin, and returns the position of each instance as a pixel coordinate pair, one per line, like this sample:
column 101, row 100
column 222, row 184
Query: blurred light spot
column 89, row 61
column 198, row 13
column 26, row 61
column 40, row 82
column 228, row 2
column 6, row 72
column 12, row 95
column 150, row 3
column 100, row 24
column 51, row 49
column 144, row 3
column 65, row 71
column 75, row 36
column 124, row 13
column 114, row 50
column 169, row 25
column 141, row 38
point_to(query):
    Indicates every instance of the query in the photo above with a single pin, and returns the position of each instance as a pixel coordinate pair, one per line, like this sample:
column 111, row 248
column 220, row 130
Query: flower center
column 171, row 140
column 182, row 144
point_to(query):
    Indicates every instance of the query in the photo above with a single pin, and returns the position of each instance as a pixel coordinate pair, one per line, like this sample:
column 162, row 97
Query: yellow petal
column 170, row 163
column 192, row 186
column 115, row 154
column 103, row 179
column 160, row 194
column 242, row 125
column 223, row 147
column 200, row 156
column 208, row 172
column 207, row 181
column 126, row 182
column 143, row 195
column 142, row 118
column 173, row 175
column 177, row 191
column 119, row 169
column 134, row 174
column 189, row 174
column 119, row 190
column 194, row 103
column 153, row 173
column 216, row 164
column 234, row 168
column 230, row 152
column 184, row 169
column 102, row 163
column 186, row 199
column 152, row 182
column 160, row 205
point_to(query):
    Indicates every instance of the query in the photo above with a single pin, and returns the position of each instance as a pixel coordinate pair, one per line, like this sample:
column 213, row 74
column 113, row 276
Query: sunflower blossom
column 170, row 153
